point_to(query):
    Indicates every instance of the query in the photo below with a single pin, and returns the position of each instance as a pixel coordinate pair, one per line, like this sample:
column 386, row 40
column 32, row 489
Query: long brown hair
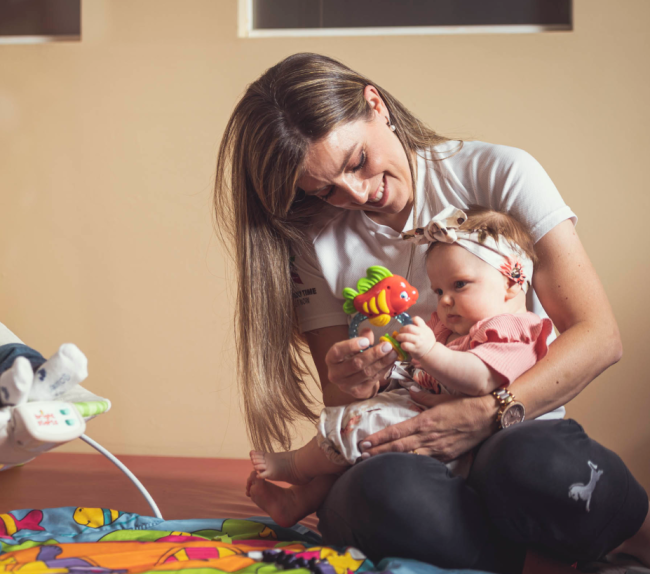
column 260, row 211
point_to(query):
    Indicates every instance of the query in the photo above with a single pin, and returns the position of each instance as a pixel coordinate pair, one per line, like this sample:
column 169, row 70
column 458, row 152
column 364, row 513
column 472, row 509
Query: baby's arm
column 457, row 370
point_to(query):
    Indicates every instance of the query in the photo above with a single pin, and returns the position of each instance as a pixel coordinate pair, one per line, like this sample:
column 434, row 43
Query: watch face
column 513, row 414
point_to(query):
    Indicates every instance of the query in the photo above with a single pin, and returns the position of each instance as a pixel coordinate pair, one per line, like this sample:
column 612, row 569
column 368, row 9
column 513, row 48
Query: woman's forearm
column 569, row 289
column 574, row 359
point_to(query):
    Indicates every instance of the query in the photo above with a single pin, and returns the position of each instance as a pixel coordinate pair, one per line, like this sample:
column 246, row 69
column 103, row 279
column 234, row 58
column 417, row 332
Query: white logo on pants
column 579, row 491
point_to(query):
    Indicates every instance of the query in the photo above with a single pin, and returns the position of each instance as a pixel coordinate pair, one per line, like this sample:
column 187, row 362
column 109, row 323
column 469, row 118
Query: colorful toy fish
column 9, row 524
column 381, row 296
column 95, row 517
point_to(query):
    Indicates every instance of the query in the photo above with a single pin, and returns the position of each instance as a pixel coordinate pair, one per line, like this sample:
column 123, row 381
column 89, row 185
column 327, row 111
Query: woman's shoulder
column 480, row 153
column 477, row 170
column 501, row 177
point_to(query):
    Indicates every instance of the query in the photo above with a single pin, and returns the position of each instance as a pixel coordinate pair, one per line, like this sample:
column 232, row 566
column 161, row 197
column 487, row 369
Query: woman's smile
column 379, row 194
column 361, row 165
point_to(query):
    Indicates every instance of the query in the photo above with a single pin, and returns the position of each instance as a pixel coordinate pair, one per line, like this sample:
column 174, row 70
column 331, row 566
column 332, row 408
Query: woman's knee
column 368, row 493
column 547, row 482
column 520, row 456
column 406, row 505
column 530, row 462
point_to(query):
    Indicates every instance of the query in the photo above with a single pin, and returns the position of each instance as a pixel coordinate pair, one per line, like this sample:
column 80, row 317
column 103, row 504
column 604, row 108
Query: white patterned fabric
column 504, row 256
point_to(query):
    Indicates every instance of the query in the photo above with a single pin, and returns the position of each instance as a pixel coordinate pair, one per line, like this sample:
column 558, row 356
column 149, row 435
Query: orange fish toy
column 380, row 297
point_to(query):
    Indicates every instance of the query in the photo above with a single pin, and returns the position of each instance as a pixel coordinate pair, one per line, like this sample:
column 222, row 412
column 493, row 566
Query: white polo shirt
column 345, row 243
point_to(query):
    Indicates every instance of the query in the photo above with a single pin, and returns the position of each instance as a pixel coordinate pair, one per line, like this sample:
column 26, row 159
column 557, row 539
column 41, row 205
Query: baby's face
column 469, row 290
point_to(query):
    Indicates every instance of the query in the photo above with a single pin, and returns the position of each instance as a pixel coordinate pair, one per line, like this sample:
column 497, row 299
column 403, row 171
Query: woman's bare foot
column 281, row 504
column 278, row 466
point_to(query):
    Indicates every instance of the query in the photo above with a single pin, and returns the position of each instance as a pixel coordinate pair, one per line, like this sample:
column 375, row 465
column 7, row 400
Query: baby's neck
column 516, row 305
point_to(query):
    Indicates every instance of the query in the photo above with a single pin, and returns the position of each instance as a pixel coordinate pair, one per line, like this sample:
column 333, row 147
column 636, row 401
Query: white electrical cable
column 126, row 471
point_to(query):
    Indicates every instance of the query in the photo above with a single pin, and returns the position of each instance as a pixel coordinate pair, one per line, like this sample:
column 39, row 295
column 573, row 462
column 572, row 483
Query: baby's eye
column 460, row 284
column 438, row 292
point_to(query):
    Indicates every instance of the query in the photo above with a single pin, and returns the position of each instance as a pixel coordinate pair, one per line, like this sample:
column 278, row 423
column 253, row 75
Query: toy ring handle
column 353, row 331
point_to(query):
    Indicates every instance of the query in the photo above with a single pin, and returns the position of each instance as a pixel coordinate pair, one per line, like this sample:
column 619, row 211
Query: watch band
column 510, row 410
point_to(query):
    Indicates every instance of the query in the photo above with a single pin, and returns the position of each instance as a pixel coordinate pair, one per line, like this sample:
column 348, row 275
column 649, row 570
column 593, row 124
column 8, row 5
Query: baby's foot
column 281, row 504
column 277, row 466
column 64, row 370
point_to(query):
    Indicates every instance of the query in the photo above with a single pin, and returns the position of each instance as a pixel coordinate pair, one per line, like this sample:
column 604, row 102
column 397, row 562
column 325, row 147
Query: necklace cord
column 415, row 224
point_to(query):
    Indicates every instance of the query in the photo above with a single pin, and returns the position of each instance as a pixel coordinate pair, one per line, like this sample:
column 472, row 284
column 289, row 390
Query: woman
column 319, row 172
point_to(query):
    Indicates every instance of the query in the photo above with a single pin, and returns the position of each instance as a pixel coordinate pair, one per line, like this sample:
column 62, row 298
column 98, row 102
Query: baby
column 480, row 338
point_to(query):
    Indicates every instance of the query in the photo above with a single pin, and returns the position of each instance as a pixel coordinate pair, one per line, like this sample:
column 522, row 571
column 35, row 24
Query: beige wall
column 107, row 152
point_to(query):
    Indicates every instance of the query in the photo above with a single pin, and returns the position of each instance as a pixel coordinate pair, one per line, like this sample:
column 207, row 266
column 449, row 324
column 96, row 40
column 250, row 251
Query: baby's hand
column 416, row 339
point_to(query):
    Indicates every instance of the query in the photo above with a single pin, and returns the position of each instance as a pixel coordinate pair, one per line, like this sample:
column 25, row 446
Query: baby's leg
column 286, row 506
column 295, row 466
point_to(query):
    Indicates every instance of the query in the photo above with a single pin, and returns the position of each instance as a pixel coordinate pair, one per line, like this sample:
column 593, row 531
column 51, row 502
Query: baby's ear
column 512, row 289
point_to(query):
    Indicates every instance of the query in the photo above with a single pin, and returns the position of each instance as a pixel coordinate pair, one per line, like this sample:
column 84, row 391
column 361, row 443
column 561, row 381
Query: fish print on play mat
column 73, row 540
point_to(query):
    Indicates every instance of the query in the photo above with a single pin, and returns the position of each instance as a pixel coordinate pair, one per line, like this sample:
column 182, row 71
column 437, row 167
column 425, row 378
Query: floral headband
column 503, row 255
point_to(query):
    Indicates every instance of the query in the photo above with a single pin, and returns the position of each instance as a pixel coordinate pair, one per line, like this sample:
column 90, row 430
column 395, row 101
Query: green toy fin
column 349, row 295
column 374, row 275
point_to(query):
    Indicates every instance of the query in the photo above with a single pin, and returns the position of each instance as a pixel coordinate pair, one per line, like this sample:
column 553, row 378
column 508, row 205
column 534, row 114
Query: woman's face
column 362, row 166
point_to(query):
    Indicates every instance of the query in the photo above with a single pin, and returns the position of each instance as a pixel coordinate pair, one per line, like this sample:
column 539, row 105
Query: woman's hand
column 451, row 426
column 346, row 373
column 359, row 373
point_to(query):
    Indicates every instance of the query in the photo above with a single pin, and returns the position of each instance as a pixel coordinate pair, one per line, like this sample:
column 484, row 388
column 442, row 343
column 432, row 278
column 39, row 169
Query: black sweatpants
column 543, row 484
